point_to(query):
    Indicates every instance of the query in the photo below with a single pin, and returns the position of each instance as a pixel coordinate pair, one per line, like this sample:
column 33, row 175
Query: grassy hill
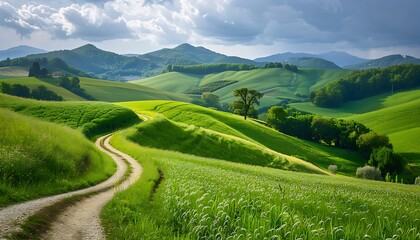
column 203, row 198
column 277, row 84
column 92, row 118
column 385, row 62
column 271, row 140
column 13, row 71
column 39, row 158
column 101, row 90
column 311, row 62
column 397, row 116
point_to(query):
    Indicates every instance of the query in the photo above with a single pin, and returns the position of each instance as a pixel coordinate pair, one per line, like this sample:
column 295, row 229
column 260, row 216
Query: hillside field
column 397, row 116
column 202, row 198
column 39, row 158
column 277, row 84
column 9, row 72
column 253, row 132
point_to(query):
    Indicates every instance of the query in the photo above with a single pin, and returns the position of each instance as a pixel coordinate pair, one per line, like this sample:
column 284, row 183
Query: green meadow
column 91, row 118
column 39, row 158
column 228, row 124
column 13, row 71
column 397, row 116
column 277, row 84
column 182, row 196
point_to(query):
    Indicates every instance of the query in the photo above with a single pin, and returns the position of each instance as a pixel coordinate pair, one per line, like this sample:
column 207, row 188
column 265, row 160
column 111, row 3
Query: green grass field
column 38, row 158
column 92, row 118
column 200, row 198
column 226, row 123
column 397, row 116
column 13, row 71
column 276, row 84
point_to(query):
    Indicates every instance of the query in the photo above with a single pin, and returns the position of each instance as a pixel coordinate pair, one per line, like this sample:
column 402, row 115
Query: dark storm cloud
column 358, row 23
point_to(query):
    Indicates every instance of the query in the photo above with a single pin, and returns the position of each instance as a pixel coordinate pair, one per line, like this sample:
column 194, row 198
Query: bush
column 368, row 172
column 386, row 160
column 417, row 181
column 332, row 169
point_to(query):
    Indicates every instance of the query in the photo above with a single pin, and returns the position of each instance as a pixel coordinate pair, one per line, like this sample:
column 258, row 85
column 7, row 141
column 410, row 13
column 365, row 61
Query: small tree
column 368, row 172
column 417, row 181
column 210, row 99
column 333, row 169
column 248, row 99
column 386, row 160
column 275, row 116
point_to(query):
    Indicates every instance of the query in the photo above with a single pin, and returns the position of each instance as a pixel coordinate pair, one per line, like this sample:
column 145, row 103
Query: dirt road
column 80, row 221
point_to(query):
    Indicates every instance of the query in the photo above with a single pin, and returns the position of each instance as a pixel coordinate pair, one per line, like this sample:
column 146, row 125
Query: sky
column 246, row 28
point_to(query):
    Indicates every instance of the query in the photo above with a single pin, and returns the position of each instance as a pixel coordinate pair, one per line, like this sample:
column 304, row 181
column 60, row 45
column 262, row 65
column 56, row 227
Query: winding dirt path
column 80, row 221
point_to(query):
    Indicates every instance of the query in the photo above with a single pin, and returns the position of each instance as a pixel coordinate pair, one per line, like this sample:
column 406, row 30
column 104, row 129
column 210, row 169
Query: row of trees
column 338, row 133
column 73, row 85
column 221, row 67
column 36, row 71
column 39, row 93
column 366, row 83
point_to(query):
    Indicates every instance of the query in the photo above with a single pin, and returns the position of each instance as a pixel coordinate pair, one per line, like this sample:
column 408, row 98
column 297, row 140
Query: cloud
column 357, row 24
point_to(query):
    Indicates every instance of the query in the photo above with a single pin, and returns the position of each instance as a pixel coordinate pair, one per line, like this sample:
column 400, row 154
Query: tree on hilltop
column 247, row 99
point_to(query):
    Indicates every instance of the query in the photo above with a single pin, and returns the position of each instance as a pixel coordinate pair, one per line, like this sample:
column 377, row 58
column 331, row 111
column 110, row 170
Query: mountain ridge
column 19, row 51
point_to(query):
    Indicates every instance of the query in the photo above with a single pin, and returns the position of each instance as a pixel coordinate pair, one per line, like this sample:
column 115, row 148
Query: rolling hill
column 385, row 62
column 337, row 57
column 311, row 62
column 13, row 71
column 19, row 51
column 278, row 85
column 397, row 116
column 203, row 125
column 101, row 90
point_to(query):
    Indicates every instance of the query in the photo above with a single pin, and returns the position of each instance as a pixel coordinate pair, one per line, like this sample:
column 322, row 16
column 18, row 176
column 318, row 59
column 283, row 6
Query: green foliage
column 386, row 160
column 207, row 199
column 248, row 97
column 273, row 65
column 39, row 158
column 210, row 99
column 275, row 116
column 367, row 142
column 92, row 118
column 368, row 172
column 73, row 85
column 39, row 93
column 36, row 71
column 333, row 169
column 366, row 83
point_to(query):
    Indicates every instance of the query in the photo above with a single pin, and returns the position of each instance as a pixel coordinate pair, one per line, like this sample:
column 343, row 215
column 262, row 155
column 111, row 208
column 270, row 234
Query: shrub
column 332, row 169
column 368, row 172
column 417, row 181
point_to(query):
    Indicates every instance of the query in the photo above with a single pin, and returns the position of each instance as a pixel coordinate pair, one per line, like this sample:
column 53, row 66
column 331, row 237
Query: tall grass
column 92, row 118
column 39, row 158
column 204, row 199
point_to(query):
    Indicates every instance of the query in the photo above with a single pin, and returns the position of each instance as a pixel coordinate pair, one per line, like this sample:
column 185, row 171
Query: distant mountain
column 339, row 58
column 186, row 54
column 100, row 63
column 311, row 62
column 19, row 51
column 280, row 57
column 385, row 62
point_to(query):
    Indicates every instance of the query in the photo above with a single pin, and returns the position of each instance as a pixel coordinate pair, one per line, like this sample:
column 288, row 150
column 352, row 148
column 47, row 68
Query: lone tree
column 247, row 99
column 210, row 99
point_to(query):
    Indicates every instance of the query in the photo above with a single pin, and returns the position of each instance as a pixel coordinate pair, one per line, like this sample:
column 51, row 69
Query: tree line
column 346, row 134
column 73, row 85
column 222, row 67
column 365, row 83
column 39, row 93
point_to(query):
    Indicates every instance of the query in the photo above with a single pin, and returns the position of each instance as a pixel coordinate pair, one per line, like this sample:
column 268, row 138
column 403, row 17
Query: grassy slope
column 92, row 118
column 102, row 90
column 277, row 84
column 38, row 158
column 226, row 123
column 13, row 71
column 32, row 83
column 202, row 198
column 396, row 115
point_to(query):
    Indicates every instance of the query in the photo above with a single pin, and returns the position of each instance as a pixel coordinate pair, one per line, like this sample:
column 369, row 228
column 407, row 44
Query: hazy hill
column 339, row 58
column 186, row 54
column 19, row 51
column 385, row 62
column 311, row 62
